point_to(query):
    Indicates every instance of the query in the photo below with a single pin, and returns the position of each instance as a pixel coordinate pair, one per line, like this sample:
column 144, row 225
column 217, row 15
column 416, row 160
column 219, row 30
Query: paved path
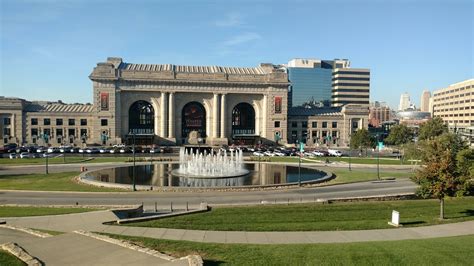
column 75, row 249
column 92, row 221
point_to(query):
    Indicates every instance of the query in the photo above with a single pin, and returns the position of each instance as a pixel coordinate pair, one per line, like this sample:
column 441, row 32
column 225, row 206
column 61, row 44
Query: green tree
column 399, row 135
column 432, row 128
column 443, row 173
column 361, row 139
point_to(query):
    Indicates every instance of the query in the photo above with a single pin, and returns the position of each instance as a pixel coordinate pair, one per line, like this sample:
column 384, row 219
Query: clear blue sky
column 48, row 48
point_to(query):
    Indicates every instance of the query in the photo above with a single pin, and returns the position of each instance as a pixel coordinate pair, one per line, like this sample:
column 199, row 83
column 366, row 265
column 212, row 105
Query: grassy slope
column 10, row 211
column 438, row 251
column 51, row 182
column 309, row 217
column 343, row 175
column 8, row 259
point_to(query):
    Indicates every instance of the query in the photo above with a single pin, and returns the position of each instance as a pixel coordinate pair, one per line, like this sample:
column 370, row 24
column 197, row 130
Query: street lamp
column 133, row 151
column 350, row 151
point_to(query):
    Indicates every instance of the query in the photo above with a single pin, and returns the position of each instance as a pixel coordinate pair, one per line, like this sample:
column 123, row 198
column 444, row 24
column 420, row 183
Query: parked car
column 269, row 153
column 114, row 150
column 257, row 153
column 146, row 150
column 13, row 156
column 104, row 150
column 63, row 149
column 26, row 155
column 125, row 150
column 41, row 149
column 335, row 153
column 308, row 153
column 92, row 150
column 155, row 150
column 74, row 150
column 318, row 153
column 53, row 150
column 279, row 153
column 81, row 150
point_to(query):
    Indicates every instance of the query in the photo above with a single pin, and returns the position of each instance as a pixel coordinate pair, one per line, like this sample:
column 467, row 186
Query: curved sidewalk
column 93, row 221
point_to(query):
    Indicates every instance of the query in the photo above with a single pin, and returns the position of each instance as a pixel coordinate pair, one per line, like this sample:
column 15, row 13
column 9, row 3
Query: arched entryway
column 193, row 119
column 243, row 123
column 141, row 122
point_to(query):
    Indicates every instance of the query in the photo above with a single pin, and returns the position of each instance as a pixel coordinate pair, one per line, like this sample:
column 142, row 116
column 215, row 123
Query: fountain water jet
column 210, row 165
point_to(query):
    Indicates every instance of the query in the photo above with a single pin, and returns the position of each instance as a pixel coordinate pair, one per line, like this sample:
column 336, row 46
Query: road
column 180, row 199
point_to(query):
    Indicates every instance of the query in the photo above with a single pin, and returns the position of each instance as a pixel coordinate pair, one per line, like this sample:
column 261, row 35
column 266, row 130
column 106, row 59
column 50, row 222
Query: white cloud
column 242, row 38
column 231, row 20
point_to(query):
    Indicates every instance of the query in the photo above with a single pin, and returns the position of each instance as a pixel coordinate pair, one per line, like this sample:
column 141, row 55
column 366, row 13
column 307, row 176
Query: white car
column 335, row 153
column 318, row 153
column 12, row 156
column 307, row 153
column 279, row 153
column 251, row 149
column 82, row 150
column 26, row 155
column 257, row 153
column 104, row 150
column 41, row 150
column 269, row 153
column 53, row 150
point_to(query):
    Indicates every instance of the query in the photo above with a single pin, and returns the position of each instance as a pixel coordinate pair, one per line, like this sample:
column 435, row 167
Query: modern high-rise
column 425, row 101
column 455, row 105
column 311, row 80
column 350, row 86
column 404, row 102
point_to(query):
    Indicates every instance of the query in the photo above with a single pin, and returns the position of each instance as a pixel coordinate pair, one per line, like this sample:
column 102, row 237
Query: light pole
column 378, row 158
column 133, row 173
column 299, row 163
column 350, row 151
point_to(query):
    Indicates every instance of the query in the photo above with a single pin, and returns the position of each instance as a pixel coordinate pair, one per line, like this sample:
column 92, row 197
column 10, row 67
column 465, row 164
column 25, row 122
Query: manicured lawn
column 51, row 182
column 437, row 251
column 60, row 160
column 8, row 259
column 319, row 217
column 355, row 160
column 343, row 175
column 14, row 211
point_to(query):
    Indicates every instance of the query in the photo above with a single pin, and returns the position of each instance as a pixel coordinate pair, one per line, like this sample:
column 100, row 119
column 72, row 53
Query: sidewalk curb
column 17, row 251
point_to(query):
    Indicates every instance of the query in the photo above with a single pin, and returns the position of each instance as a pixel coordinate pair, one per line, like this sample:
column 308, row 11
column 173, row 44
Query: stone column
column 164, row 115
column 171, row 116
column 215, row 116
column 264, row 115
column 223, row 115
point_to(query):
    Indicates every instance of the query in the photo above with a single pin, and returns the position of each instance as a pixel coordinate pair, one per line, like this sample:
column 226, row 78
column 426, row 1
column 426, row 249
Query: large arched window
column 193, row 119
column 243, row 119
column 141, row 118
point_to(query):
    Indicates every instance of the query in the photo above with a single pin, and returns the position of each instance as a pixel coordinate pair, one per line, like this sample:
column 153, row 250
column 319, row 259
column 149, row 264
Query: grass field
column 51, row 182
column 355, row 160
column 437, row 251
column 60, row 160
column 319, row 217
column 8, row 259
column 343, row 175
column 14, row 211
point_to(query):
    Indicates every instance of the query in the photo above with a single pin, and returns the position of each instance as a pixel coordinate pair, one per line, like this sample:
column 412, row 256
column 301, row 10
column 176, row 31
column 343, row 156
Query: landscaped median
column 49, row 182
column 437, row 251
column 22, row 211
column 6, row 258
column 319, row 217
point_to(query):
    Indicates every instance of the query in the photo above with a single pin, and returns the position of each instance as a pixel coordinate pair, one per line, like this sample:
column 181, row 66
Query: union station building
column 180, row 105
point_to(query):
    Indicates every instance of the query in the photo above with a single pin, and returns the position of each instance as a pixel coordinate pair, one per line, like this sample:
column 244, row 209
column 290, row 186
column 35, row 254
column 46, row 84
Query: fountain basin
column 239, row 173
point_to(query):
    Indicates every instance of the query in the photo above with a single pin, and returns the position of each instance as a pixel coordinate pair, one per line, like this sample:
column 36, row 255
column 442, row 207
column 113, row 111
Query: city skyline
column 48, row 48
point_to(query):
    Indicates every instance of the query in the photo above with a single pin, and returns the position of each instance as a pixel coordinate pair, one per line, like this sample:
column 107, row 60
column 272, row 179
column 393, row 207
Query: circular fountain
column 210, row 165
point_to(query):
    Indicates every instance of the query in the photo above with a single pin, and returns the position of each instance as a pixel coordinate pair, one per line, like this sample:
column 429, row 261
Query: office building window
column 277, row 123
column 46, row 121
column 59, row 122
column 6, row 131
column 83, row 132
column 334, row 124
column 325, row 124
column 71, row 132
column 34, row 132
column 83, row 122
column 294, row 134
column 304, row 135
column 304, row 124
column 104, row 122
column 59, row 132
column 294, row 124
column 34, row 121
column 314, row 124
column 6, row 121
column 71, row 122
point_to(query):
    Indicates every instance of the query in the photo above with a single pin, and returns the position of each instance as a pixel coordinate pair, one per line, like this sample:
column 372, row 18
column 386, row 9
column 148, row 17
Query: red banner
column 104, row 101
column 278, row 100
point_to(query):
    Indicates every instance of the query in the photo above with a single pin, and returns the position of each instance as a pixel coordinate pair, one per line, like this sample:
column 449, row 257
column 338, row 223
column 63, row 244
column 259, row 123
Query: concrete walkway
column 75, row 249
column 92, row 221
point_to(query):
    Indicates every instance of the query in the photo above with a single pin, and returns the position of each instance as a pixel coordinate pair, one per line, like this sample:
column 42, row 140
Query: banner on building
column 104, row 101
column 278, row 100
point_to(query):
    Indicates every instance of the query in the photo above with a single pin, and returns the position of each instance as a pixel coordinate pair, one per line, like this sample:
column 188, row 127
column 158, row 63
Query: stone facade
column 326, row 127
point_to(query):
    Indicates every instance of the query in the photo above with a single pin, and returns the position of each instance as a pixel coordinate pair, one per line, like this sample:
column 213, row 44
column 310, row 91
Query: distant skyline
column 48, row 48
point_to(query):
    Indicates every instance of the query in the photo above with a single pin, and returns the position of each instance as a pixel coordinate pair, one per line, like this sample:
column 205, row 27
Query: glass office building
column 311, row 80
